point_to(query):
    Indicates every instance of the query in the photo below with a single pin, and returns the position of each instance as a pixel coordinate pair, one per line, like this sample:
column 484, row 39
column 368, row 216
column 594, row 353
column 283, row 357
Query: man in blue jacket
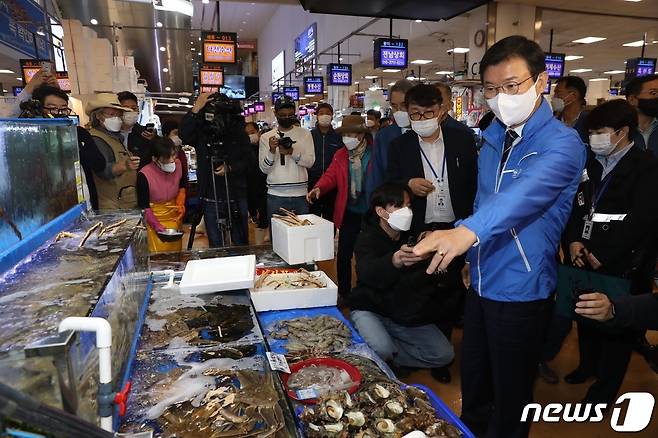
column 385, row 136
column 529, row 169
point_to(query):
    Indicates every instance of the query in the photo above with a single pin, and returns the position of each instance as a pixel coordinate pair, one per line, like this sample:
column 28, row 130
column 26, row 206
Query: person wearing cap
column 347, row 173
column 286, row 167
column 326, row 142
column 115, row 184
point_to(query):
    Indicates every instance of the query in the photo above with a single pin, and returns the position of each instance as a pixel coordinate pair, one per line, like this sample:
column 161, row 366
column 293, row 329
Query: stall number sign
column 340, row 74
column 302, row 111
column 212, row 77
column 209, row 89
column 219, row 47
column 554, row 65
column 259, row 107
column 276, row 96
column 459, row 107
column 293, row 92
column 313, row 85
column 390, row 53
column 636, row 67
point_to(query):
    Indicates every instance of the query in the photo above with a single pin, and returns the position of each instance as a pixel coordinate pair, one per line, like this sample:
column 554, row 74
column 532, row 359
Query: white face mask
column 425, row 128
column 601, row 144
column 113, row 124
column 253, row 138
column 557, row 104
column 370, row 123
column 513, row 109
column 401, row 118
column 400, row 220
column 169, row 167
column 177, row 141
column 130, row 118
column 351, row 143
column 324, row 120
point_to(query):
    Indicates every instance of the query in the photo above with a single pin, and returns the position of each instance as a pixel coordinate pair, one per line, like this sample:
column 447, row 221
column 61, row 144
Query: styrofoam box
column 282, row 299
column 303, row 244
column 218, row 274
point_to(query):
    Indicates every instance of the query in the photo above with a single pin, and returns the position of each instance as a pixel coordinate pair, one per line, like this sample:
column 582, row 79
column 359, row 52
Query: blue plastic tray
column 444, row 412
column 267, row 319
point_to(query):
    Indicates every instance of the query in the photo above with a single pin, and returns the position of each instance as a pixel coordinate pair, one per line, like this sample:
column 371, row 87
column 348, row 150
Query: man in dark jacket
column 639, row 312
column 642, row 93
column 222, row 149
column 136, row 138
column 568, row 104
column 395, row 302
column 326, row 142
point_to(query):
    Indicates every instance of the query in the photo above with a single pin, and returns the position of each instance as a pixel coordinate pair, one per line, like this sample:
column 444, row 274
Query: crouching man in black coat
column 395, row 303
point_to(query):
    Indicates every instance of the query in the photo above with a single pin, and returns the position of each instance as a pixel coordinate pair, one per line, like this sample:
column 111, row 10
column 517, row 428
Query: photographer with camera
column 215, row 128
column 284, row 156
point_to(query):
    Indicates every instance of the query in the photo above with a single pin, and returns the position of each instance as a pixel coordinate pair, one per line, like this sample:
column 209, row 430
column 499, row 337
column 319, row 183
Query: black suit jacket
column 140, row 146
column 405, row 162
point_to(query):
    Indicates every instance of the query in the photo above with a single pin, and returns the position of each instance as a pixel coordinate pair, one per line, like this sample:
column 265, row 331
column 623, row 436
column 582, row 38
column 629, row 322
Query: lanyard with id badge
column 598, row 193
column 443, row 190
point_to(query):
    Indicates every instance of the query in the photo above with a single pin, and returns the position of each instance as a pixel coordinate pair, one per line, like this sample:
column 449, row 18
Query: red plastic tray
column 351, row 370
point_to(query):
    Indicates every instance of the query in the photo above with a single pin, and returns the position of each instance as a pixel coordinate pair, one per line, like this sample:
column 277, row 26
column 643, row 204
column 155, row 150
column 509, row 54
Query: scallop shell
column 334, row 409
column 334, row 428
column 356, row 418
column 385, row 425
column 314, row 427
column 394, row 407
column 348, row 400
column 381, row 392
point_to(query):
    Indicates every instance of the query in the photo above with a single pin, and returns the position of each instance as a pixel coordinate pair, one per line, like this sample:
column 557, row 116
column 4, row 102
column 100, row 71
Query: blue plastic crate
column 444, row 412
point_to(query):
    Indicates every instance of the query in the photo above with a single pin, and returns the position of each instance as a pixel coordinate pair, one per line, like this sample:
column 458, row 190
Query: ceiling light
column 93, row 21
column 356, row 82
column 598, row 79
column 199, row 38
column 391, row 83
column 319, row 68
column 459, row 50
column 419, row 21
column 5, row 71
column 614, row 72
column 19, row 79
column 580, row 70
column 638, row 43
column 193, row 49
column 5, row 91
column 444, row 72
column 423, row 79
column 191, row 42
column 41, row 32
column 162, row 48
column 181, row 6
column 309, row 95
column 588, row 40
column 421, row 61
column 158, row 24
column 244, row 22
column 572, row 57
column 634, row 1
column 391, row 70
column 205, row 2
column 165, row 69
column 167, row 88
column 340, row 59
column 370, row 77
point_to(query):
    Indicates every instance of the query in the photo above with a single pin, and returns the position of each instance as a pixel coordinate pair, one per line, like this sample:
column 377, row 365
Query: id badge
column 442, row 203
column 581, row 199
column 587, row 229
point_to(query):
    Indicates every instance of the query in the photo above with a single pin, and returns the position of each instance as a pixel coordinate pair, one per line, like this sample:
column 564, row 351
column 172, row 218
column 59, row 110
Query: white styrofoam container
column 282, row 299
column 303, row 244
column 218, row 274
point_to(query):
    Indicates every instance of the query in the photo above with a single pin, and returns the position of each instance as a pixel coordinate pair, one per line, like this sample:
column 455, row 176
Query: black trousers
column 558, row 330
column 349, row 230
column 604, row 354
column 324, row 207
column 500, row 351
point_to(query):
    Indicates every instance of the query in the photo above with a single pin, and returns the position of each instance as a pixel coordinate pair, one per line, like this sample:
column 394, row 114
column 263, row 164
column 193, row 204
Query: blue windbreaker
column 519, row 214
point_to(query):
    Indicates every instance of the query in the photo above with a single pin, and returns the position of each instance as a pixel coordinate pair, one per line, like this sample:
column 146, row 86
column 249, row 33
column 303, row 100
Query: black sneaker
column 577, row 376
column 402, row 372
column 441, row 374
column 547, row 374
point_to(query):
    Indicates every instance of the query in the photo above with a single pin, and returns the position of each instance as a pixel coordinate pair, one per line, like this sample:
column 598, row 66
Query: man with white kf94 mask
column 529, row 169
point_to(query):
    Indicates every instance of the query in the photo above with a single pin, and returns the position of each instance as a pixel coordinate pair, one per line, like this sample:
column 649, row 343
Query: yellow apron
column 167, row 213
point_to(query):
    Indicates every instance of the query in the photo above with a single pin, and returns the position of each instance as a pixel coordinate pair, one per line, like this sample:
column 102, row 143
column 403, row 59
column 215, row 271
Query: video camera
column 285, row 143
column 31, row 109
column 221, row 114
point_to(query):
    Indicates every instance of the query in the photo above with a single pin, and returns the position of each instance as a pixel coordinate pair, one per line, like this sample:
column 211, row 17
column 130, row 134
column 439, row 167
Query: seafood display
column 376, row 410
column 320, row 379
column 318, row 335
column 301, row 279
column 291, row 219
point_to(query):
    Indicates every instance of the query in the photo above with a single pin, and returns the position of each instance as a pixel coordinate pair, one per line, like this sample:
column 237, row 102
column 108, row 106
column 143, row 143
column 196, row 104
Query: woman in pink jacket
column 347, row 173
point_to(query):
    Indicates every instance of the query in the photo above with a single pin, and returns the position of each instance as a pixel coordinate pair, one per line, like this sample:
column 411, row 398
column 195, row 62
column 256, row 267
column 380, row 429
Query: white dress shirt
column 439, row 204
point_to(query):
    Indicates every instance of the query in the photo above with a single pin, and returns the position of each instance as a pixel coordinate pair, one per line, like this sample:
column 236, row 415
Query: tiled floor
column 638, row 378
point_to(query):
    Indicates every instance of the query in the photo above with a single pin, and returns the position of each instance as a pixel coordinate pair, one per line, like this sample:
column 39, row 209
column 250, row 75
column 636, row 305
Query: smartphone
column 150, row 127
column 578, row 291
column 411, row 241
column 47, row 67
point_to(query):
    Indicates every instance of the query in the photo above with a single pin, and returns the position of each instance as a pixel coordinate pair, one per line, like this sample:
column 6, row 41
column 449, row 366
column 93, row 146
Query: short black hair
column 127, row 95
column 390, row 193
column 41, row 92
column 168, row 126
column 613, row 114
column 574, row 83
column 634, row 86
column 324, row 105
column 515, row 46
column 355, row 113
column 162, row 147
column 423, row 95
column 374, row 113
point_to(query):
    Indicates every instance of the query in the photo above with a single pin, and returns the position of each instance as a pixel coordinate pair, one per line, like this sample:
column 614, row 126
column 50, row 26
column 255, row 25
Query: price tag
column 305, row 394
column 278, row 362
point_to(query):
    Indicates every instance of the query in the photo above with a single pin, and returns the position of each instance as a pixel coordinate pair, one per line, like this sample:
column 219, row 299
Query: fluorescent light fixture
column 158, row 24
column 6, row 71
column 444, row 72
column 356, row 82
column 370, row 77
column 309, row 95
column 598, row 79
column 191, row 42
column 41, row 32
column 391, row 70
column 580, row 70
column 391, row 83
column 423, row 79
column 319, row 68
column 181, row 6
column 19, row 79
column 588, row 40
column 421, row 61
column 573, row 57
column 165, row 69
column 193, row 49
column 205, row 2
column 614, row 72
column 419, row 21
column 199, row 38
column 633, row 1
column 326, row 92
column 162, row 48
column 5, row 91
column 459, row 50
column 167, row 88
column 93, row 21
column 638, row 43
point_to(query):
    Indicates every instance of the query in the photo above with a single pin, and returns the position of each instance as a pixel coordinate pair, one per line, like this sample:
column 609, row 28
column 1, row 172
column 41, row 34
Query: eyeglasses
column 56, row 110
column 424, row 115
column 491, row 91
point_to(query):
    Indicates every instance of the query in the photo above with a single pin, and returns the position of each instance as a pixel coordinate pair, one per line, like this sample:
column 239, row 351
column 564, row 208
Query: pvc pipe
column 103, row 332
